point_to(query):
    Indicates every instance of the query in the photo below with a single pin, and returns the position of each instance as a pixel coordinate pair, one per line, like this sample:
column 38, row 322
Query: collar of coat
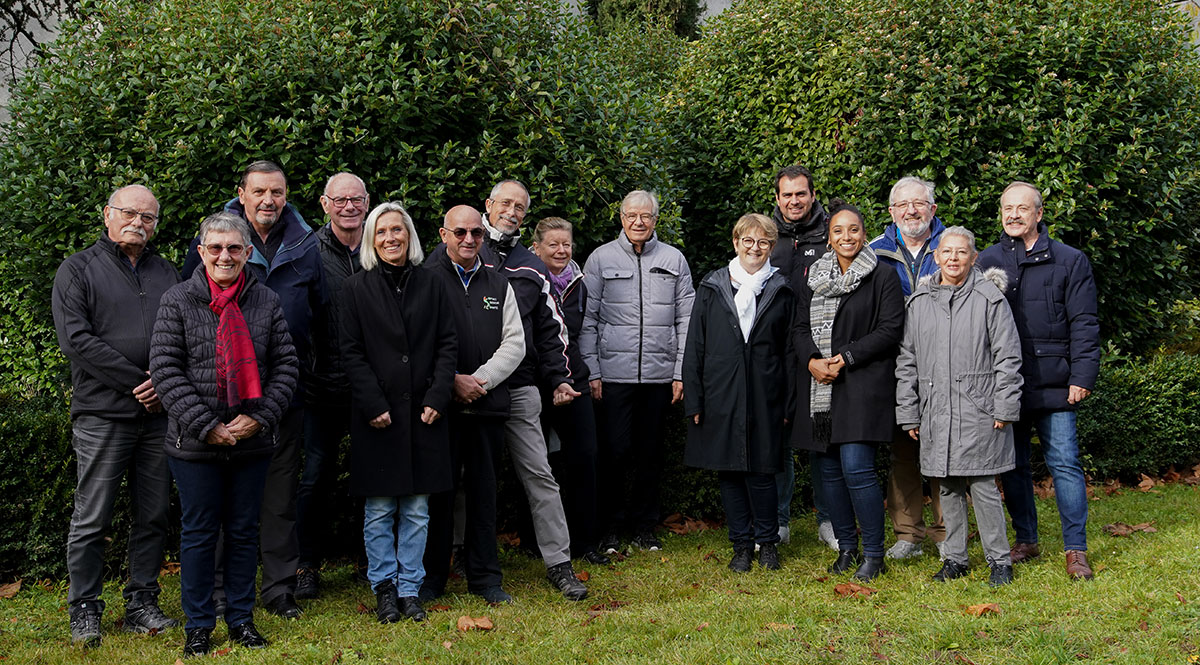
column 295, row 232
column 626, row 245
column 720, row 281
column 197, row 285
column 812, row 228
column 1039, row 253
column 991, row 283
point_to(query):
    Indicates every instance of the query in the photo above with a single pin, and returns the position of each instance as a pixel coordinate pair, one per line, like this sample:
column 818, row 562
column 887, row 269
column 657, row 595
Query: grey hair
column 911, row 180
column 496, row 190
column 963, row 232
column 367, row 256
column 113, row 197
column 640, row 196
column 225, row 222
column 333, row 177
column 1037, row 194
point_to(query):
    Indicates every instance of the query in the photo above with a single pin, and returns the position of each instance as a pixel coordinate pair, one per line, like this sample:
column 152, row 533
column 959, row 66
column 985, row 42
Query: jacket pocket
column 662, row 286
column 619, row 285
column 979, row 388
column 1052, row 366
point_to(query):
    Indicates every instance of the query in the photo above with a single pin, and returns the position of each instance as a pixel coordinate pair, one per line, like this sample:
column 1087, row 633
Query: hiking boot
column 1001, row 575
column 308, row 584
column 387, row 608
column 410, row 607
column 768, row 556
column 198, row 642
column 147, row 618
column 904, row 550
column 742, row 559
column 951, row 569
column 647, row 541
column 562, row 576
column 494, row 595
column 85, row 623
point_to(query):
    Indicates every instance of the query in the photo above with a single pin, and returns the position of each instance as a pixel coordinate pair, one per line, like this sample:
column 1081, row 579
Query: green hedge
column 1095, row 101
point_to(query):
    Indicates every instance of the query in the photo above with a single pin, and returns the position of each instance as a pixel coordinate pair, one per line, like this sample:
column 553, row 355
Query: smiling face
column 263, row 198
column 346, row 202
column 753, row 249
column 1021, row 213
column 794, row 196
column 912, row 211
column 638, row 220
column 463, row 234
column 555, row 249
column 507, row 210
column 224, row 254
column 391, row 238
column 955, row 257
column 847, row 236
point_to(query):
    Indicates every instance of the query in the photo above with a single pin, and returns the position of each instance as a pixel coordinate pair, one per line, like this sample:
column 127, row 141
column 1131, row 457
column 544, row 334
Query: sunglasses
column 476, row 233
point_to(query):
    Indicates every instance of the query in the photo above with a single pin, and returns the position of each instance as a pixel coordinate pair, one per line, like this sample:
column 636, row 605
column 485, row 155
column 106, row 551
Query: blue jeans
column 1056, row 429
column 394, row 531
column 850, row 489
column 216, row 497
column 750, row 507
column 785, row 484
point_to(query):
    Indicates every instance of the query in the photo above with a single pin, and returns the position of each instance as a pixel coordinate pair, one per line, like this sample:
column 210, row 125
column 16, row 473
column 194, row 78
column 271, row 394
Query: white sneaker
column 825, row 535
column 785, row 535
column 904, row 550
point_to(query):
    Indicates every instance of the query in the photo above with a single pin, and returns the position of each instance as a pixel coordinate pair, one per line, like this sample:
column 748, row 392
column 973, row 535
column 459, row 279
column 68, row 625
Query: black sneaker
column 596, row 558
column 768, row 556
column 951, row 570
column 283, row 606
column 308, row 584
column 85, row 623
column 742, row 559
column 387, row 608
column 647, row 541
column 147, row 618
column 494, row 595
column 248, row 636
column 610, row 544
column 563, row 578
column 198, row 642
column 1001, row 575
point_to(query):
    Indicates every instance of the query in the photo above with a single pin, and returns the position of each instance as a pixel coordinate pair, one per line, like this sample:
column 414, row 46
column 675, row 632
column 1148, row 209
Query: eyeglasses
column 633, row 217
column 234, row 250
column 129, row 215
column 749, row 242
column 476, row 233
column 917, row 205
column 341, row 201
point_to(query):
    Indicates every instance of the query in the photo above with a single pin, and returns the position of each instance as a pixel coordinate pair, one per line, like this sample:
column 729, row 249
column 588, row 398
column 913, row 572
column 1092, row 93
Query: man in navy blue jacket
column 1053, row 297
column 287, row 259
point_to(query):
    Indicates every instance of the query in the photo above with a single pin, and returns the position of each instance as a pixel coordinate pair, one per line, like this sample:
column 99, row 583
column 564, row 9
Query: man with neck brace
column 545, row 359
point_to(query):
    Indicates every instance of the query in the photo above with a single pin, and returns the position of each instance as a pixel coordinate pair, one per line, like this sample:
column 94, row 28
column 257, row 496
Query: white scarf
column 748, row 287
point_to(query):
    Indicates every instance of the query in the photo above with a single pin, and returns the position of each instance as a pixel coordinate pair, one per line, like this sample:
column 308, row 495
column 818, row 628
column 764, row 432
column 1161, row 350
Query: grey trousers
column 989, row 515
column 527, row 447
column 108, row 450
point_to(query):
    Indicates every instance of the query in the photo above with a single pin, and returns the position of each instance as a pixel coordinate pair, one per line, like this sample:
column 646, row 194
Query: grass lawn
column 682, row 605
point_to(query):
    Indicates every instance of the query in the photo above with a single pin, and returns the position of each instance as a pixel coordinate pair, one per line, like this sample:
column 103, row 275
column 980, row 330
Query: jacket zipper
column 641, row 316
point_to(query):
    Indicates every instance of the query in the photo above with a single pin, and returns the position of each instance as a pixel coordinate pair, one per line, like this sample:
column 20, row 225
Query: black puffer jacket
column 329, row 382
column 183, row 366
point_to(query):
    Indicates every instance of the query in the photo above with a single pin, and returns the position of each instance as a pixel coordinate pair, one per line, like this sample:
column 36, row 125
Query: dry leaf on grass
column 337, row 658
column 222, row 652
column 1147, row 483
column 1171, row 476
column 466, row 623
column 780, row 626
column 982, row 609
column 848, row 589
column 169, row 568
column 9, row 590
column 1181, row 598
column 178, row 661
column 438, row 608
column 583, row 576
column 362, row 609
column 1121, row 529
column 448, row 645
column 702, row 626
column 682, row 525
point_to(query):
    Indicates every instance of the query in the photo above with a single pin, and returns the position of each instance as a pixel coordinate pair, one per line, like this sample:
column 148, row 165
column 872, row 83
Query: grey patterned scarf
column 829, row 284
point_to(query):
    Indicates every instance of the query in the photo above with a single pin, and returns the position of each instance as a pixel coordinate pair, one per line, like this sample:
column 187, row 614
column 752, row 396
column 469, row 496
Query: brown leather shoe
column 1024, row 552
column 1077, row 565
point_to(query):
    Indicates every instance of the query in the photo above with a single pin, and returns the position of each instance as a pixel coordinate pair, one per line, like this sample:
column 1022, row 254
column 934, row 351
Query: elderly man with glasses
column 908, row 244
column 104, row 302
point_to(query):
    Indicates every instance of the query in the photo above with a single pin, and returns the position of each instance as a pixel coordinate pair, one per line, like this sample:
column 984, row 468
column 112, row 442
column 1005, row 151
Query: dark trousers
column 631, row 457
column 574, row 467
column 107, row 451
column 277, row 518
column 851, row 489
column 220, row 501
column 475, row 447
column 325, row 426
column 751, row 506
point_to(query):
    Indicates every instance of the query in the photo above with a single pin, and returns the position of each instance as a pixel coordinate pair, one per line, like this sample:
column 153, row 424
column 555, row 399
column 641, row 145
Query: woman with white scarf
column 849, row 322
column 736, row 387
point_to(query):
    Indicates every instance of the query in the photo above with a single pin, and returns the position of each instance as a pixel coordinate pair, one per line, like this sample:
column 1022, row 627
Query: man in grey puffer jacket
column 634, row 328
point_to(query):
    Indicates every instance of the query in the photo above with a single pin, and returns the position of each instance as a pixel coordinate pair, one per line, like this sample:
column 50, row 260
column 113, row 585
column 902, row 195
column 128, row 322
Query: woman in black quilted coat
column 223, row 364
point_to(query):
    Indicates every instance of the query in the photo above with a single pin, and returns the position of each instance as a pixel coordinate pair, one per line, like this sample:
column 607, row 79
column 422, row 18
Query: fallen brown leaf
column 337, row 658
column 583, row 576
column 362, row 609
column 982, row 609
column 780, row 626
column 448, row 645
column 848, row 589
column 702, row 626
column 438, row 608
column 708, row 556
column 178, row 661
column 1171, row 476
column 510, row 539
column 963, row 659
column 9, row 590
column 1147, row 483
column 1121, row 529
column 1044, row 488
column 484, row 623
column 1181, row 598
column 465, row 623
column 222, row 652
column 169, row 568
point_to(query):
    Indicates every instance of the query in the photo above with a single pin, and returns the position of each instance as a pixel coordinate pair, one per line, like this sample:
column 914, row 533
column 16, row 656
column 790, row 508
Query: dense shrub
column 1095, row 101
column 681, row 16
column 1143, row 418
column 431, row 102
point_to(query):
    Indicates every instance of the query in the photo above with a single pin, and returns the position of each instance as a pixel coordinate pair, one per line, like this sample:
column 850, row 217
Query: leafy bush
column 682, row 16
column 1143, row 417
column 430, row 102
column 1095, row 101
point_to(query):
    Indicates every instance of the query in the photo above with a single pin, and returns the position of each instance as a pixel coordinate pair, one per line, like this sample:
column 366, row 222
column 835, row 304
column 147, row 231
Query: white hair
column 911, row 180
column 640, row 196
column 367, row 256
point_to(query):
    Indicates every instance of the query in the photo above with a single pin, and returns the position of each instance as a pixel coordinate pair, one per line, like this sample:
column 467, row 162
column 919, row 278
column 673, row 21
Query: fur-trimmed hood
column 996, row 276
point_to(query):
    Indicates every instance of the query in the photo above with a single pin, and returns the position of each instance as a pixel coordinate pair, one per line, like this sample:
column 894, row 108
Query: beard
column 914, row 228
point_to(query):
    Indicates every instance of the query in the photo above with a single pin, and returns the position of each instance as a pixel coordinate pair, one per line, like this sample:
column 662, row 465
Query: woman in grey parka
column 958, row 388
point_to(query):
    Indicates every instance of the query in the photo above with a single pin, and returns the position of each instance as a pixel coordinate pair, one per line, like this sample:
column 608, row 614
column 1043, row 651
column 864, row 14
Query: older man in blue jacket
column 1053, row 297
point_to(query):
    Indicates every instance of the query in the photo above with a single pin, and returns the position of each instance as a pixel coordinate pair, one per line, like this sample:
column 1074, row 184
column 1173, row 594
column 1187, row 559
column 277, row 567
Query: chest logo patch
column 490, row 303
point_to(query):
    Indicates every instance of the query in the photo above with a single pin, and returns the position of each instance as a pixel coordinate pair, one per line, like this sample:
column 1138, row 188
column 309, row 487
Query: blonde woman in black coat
column 399, row 348
column 736, row 387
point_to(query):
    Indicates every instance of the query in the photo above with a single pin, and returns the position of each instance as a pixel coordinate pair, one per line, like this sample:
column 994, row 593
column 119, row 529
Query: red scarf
column 237, row 366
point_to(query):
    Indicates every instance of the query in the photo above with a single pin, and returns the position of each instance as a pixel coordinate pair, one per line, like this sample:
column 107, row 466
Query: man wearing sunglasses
column 105, row 300
column 287, row 259
column 327, row 411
